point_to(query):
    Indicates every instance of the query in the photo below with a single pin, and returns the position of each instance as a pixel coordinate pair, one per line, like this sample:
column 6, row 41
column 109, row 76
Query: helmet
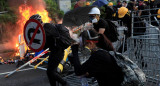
column 36, row 17
column 158, row 16
column 94, row 10
column 145, row 0
column 110, row 4
column 122, row 12
column 87, row 3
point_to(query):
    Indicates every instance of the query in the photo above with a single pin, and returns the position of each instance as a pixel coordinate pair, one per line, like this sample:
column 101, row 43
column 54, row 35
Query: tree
column 54, row 11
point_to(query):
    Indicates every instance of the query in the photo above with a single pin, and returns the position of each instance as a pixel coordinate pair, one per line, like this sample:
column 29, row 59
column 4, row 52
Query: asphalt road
column 34, row 77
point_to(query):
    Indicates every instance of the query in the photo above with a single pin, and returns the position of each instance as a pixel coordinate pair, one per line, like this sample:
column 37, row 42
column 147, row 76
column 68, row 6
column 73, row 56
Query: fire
column 17, row 54
column 17, row 45
column 28, row 11
column 25, row 12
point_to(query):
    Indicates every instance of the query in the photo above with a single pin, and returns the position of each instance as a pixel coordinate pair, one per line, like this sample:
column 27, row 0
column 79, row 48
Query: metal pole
column 149, row 12
column 29, row 62
column 132, row 23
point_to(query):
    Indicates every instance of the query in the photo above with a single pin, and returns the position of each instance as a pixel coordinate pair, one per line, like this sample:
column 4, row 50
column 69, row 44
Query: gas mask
column 93, row 19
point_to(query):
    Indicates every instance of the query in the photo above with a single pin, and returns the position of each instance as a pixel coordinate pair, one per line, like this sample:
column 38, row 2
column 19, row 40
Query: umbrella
column 77, row 17
column 100, row 3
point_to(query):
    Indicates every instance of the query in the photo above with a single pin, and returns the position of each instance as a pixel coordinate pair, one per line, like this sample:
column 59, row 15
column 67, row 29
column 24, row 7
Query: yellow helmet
column 87, row 3
column 145, row 0
column 122, row 12
column 158, row 16
column 110, row 4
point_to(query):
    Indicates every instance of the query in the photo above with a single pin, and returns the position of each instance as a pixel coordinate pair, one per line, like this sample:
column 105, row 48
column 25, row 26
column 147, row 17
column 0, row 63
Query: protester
column 79, row 3
column 101, row 26
column 110, row 4
column 109, row 11
column 100, row 64
column 57, row 51
column 76, row 5
column 125, row 4
column 125, row 16
column 132, row 5
column 152, row 4
column 142, row 6
column 119, row 4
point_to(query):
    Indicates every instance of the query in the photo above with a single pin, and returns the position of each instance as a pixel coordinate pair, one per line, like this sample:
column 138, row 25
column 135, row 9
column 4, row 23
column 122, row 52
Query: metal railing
column 148, row 20
column 145, row 51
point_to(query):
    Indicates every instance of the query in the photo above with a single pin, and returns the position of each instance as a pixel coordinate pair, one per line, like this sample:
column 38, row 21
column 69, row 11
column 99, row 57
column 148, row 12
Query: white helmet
column 94, row 10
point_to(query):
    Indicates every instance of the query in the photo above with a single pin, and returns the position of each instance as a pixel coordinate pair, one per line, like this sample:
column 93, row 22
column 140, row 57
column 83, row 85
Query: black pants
column 54, row 59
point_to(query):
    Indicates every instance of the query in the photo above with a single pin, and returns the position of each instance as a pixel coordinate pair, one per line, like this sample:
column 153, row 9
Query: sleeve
column 102, row 24
column 80, row 69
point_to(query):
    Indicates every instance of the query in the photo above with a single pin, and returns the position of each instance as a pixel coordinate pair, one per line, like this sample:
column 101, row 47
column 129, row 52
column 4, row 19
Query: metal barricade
column 145, row 51
column 149, row 19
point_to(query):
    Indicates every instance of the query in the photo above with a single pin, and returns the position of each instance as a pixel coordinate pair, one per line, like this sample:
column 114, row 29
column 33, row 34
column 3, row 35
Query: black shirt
column 108, row 32
column 100, row 65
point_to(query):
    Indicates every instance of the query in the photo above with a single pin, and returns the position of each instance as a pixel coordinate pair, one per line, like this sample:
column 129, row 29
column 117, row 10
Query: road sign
column 34, row 35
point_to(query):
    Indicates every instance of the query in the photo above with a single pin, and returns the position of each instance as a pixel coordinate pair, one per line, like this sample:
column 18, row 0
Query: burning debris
column 26, row 8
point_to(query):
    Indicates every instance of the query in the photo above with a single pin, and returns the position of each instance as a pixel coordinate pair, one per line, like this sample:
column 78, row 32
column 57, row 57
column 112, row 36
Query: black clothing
column 130, row 6
column 138, row 30
column 57, row 33
column 56, row 55
column 109, row 32
column 158, row 5
column 127, row 22
column 118, row 6
column 100, row 65
column 144, row 13
column 109, row 11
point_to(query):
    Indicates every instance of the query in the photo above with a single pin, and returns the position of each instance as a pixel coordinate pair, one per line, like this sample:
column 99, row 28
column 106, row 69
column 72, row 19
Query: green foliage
column 53, row 9
column 3, row 5
column 72, row 5
column 9, row 16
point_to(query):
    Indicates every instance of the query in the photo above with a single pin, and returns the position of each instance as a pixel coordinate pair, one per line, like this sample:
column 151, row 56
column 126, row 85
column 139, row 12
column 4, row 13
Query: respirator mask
column 93, row 19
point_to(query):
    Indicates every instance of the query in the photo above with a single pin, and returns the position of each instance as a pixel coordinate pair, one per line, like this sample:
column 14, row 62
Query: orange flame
column 17, row 45
column 26, row 12
column 17, row 54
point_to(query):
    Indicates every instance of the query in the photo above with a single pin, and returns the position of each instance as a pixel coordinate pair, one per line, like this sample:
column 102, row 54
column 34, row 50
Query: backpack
column 113, row 33
column 57, row 35
column 133, row 75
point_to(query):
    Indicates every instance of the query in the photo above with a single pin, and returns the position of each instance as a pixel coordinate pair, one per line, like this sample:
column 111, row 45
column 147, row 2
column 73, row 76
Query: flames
column 25, row 12
column 17, row 47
